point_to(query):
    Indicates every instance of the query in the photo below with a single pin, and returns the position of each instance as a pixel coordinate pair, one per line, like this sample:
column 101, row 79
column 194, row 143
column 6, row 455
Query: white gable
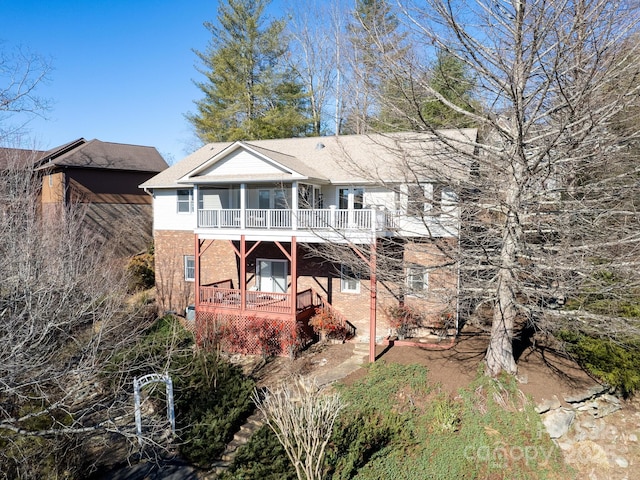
column 243, row 162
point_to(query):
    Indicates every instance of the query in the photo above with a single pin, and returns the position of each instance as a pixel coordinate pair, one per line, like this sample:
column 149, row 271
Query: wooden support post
column 243, row 273
column 372, row 311
column 294, row 278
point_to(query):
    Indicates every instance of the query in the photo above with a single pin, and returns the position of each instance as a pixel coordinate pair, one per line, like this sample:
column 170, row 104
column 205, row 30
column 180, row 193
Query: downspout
column 196, row 293
column 196, row 257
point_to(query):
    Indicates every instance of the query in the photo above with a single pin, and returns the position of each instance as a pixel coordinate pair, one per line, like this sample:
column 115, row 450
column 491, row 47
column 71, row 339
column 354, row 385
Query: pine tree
column 249, row 93
column 449, row 78
column 375, row 41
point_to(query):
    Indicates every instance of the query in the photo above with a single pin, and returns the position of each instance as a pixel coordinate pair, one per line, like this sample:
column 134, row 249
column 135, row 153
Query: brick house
column 268, row 231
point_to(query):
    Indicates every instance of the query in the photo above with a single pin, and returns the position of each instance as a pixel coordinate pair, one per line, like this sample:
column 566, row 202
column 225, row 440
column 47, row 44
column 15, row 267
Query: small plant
column 403, row 319
column 325, row 323
column 141, row 271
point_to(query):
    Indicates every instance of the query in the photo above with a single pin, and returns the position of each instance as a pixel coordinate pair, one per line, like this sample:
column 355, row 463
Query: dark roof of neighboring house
column 18, row 157
column 81, row 153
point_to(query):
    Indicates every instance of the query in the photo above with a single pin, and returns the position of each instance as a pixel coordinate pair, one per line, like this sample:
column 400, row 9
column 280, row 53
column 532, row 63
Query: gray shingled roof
column 345, row 159
column 98, row 154
column 18, row 157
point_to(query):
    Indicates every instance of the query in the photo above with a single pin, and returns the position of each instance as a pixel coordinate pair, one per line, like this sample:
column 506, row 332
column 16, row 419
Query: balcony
column 301, row 219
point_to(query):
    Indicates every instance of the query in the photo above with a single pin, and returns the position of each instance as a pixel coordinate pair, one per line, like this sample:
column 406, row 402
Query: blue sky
column 123, row 69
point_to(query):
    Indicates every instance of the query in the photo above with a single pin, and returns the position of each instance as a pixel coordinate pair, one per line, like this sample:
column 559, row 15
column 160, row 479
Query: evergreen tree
column 249, row 93
column 449, row 78
column 375, row 42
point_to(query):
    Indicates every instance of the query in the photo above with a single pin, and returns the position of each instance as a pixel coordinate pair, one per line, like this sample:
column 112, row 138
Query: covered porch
column 264, row 312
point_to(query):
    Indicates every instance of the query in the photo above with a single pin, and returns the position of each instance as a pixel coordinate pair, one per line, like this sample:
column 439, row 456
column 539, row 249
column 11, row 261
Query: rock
column 566, row 446
column 587, row 453
column 585, row 395
column 633, row 437
column 621, row 462
column 606, row 405
column 557, row 422
column 546, row 405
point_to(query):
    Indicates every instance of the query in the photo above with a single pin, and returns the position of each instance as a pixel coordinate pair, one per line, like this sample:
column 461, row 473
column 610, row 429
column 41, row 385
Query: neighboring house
column 101, row 176
column 256, row 235
column 104, row 176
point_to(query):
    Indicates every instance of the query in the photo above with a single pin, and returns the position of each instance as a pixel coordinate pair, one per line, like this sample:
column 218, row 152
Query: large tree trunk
column 499, row 355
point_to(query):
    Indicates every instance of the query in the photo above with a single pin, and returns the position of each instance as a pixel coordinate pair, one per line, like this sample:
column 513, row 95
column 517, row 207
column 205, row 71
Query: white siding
column 379, row 197
column 241, row 162
column 165, row 212
column 330, row 196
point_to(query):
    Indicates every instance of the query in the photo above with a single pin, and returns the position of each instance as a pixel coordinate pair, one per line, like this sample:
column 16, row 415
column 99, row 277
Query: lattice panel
column 250, row 335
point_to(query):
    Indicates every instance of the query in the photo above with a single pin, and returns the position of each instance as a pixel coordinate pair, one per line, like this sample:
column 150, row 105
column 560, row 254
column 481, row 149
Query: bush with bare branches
column 302, row 416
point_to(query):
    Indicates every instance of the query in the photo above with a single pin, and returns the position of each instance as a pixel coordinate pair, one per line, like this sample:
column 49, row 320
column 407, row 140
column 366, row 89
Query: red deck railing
column 222, row 294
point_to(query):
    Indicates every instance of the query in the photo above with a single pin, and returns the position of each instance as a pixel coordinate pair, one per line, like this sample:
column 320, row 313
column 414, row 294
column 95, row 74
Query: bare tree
column 21, row 72
column 552, row 77
column 302, row 416
column 314, row 59
column 64, row 314
column 548, row 190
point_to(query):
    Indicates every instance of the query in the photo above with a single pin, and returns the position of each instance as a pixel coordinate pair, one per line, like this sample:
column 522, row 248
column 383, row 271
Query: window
column 425, row 198
column 185, row 201
column 415, row 200
column 277, row 198
column 349, row 280
column 351, row 198
column 318, row 198
column 343, row 198
column 305, row 196
column 417, row 279
column 358, row 198
column 189, row 268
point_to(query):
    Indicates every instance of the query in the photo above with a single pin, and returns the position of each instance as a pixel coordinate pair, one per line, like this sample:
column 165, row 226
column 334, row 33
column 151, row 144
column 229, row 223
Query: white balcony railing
column 303, row 219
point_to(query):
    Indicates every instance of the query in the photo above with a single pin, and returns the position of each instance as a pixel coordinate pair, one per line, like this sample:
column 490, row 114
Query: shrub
column 141, row 271
column 212, row 400
column 323, row 320
column 399, row 426
column 403, row 319
column 262, row 458
column 616, row 364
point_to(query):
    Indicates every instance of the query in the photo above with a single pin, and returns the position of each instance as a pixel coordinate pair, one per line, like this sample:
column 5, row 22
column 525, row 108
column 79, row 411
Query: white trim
column 183, row 201
column 346, row 279
column 274, row 282
column 186, row 260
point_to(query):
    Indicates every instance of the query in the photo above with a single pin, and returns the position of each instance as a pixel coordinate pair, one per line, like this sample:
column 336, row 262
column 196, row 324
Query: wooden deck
column 224, row 299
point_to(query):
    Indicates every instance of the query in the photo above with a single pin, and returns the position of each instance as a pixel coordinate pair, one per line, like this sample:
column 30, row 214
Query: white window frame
column 417, row 279
column 271, row 261
column 416, row 200
column 189, row 270
column 183, row 201
column 347, row 276
column 350, row 194
column 427, row 198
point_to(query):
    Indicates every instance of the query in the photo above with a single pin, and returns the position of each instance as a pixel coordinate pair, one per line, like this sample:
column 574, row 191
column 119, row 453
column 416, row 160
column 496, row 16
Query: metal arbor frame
column 138, row 383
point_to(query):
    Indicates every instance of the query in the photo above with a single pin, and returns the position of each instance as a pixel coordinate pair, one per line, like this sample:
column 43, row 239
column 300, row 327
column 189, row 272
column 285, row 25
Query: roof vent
column 319, row 146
